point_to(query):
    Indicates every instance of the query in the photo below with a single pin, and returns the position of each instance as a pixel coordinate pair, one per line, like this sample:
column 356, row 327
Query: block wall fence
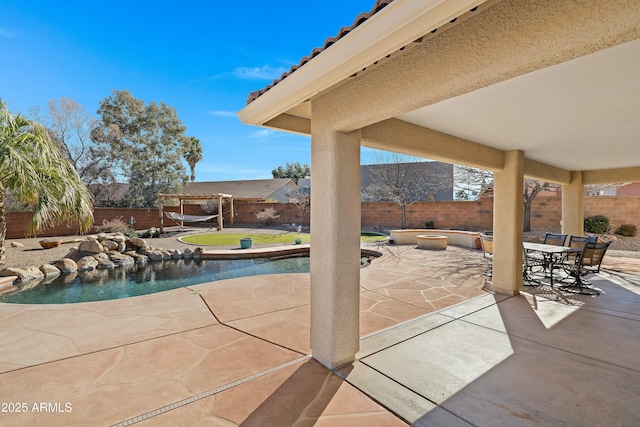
column 476, row 215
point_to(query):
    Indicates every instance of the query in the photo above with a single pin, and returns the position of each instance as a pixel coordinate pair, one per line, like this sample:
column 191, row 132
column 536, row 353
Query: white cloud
column 6, row 33
column 221, row 113
column 266, row 72
column 262, row 134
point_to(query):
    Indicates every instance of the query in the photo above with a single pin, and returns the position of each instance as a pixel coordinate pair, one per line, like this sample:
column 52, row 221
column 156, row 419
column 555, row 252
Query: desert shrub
column 597, row 224
column 113, row 226
column 628, row 230
column 429, row 224
column 267, row 216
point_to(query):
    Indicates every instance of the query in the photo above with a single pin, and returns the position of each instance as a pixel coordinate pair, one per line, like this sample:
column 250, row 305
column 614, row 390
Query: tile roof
column 377, row 7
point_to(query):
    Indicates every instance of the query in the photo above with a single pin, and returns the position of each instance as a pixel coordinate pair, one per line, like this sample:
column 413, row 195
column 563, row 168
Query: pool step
column 6, row 284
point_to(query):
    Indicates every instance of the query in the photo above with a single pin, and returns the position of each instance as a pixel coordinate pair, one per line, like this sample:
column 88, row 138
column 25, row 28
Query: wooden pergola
column 182, row 197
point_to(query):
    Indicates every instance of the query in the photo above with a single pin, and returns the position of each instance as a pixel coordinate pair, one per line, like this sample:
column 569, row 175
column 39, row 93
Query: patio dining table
column 552, row 255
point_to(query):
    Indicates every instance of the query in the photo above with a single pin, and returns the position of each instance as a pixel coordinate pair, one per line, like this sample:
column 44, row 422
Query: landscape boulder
column 23, row 274
column 67, row 265
column 87, row 263
column 120, row 259
column 91, row 246
column 35, row 272
column 105, row 264
column 49, row 271
column 111, row 245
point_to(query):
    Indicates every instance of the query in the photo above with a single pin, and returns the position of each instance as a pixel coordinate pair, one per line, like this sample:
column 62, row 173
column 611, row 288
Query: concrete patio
column 435, row 349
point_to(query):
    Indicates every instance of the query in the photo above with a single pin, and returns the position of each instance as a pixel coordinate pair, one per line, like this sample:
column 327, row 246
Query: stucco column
column 335, row 245
column 508, row 218
column 573, row 206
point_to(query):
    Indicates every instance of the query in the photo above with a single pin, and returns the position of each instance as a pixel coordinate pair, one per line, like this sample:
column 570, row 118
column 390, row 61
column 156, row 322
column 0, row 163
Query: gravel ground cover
column 33, row 254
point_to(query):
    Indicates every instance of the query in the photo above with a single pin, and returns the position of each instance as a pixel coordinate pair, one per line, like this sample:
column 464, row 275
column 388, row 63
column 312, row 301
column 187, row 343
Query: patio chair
column 487, row 250
column 533, row 264
column 587, row 262
column 575, row 242
column 555, row 239
column 537, row 259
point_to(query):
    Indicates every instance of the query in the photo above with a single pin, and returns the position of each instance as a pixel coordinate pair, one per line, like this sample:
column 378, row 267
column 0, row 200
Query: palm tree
column 193, row 154
column 32, row 167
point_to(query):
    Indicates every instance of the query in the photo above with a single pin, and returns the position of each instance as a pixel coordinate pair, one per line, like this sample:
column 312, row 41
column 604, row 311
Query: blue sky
column 200, row 57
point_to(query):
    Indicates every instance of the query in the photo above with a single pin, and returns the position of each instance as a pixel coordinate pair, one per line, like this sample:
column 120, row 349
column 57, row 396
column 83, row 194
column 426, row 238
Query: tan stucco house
column 525, row 88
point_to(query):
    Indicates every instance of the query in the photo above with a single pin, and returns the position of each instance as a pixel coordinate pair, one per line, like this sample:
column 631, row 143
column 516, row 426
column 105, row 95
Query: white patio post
column 508, row 221
column 573, row 206
column 335, row 244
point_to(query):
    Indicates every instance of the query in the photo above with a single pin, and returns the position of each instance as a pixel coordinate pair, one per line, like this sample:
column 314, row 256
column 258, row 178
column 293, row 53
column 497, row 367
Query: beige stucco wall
column 335, row 251
column 508, row 39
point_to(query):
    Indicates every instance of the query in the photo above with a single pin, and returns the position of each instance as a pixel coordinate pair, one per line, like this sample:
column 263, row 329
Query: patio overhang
column 547, row 90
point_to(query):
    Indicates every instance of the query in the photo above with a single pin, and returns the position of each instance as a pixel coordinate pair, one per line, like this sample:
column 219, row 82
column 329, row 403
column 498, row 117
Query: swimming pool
column 142, row 279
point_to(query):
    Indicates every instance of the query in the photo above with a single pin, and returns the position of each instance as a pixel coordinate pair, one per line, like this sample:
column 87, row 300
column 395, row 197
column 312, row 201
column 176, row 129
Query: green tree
column 192, row 154
column 33, row 168
column 144, row 143
column 294, row 171
column 69, row 126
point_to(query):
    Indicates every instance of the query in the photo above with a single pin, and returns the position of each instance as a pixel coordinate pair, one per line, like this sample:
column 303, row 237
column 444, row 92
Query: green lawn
column 227, row 239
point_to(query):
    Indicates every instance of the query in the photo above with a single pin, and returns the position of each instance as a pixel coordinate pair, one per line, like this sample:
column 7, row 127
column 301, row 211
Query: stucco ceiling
column 579, row 115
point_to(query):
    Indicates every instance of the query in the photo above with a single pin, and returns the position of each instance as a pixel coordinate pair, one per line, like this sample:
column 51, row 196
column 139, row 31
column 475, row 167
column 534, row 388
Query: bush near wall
column 476, row 215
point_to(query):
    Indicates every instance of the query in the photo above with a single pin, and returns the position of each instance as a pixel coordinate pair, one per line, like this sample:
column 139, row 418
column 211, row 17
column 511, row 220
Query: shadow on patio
column 436, row 350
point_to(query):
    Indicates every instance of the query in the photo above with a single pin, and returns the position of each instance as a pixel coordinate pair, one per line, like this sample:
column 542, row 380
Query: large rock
column 187, row 254
column 91, row 246
column 35, row 272
column 23, row 274
column 17, row 245
column 73, row 252
column 110, row 245
column 105, row 264
column 49, row 271
column 153, row 255
column 101, row 257
column 176, row 254
column 138, row 258
column 119, row 238
column 87, row 263
column 120, row 259
column 137, row 242
column 67, row 265
column 197, row 254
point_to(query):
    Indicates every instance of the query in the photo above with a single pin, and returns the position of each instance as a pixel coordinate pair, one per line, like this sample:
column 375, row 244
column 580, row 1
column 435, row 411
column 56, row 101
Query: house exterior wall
column 476, row 215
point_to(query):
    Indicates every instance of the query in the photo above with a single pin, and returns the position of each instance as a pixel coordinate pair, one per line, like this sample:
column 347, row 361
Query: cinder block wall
column 476, row 215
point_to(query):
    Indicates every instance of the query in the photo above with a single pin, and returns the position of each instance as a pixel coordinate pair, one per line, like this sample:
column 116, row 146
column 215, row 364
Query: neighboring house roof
column 632, row 189
column 253, row 189
column 443, row 172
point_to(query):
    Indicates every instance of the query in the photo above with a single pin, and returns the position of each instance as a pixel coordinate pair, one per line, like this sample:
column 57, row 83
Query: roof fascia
column 395, row 26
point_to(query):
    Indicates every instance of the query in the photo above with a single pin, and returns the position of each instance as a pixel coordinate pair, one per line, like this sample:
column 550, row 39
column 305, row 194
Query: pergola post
column 220, row 222
column 508, row 219
column 335, row 250
column 231, row 211
column 573, row 206
column 161, row 211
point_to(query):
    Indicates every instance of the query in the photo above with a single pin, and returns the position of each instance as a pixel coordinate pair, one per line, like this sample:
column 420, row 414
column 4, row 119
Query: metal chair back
column 555, row 239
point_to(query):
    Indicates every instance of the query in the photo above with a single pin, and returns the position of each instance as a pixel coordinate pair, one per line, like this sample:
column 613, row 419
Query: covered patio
column 436, row 350
column 538, row 89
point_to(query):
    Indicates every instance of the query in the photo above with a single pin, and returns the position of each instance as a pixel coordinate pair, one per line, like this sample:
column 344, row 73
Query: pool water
column 142, row 279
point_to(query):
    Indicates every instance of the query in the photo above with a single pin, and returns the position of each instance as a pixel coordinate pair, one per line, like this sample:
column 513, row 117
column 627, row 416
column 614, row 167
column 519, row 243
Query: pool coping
column 269, row 252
